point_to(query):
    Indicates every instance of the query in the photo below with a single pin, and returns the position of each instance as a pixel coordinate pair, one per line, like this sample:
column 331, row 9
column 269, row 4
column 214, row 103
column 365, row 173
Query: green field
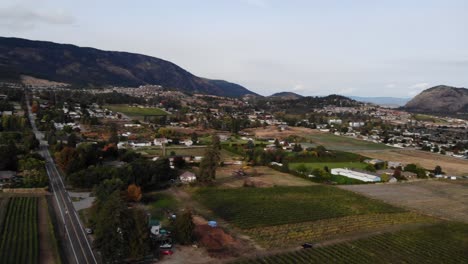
column 19, row 230
column 183, row 151
column 261, row 207
column 331, row 165
column 135, row 111
column 334, row 142
column 441, row 243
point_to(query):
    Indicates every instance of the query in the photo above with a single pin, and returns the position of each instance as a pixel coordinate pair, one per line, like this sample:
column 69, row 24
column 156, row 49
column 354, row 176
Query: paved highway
column 72, row 233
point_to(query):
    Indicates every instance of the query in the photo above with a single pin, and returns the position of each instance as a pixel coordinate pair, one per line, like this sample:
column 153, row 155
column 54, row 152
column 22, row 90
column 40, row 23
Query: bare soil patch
column 436, row 198
column 450, row 165
column 274, row 132
column 259, row 176
column 46, row 252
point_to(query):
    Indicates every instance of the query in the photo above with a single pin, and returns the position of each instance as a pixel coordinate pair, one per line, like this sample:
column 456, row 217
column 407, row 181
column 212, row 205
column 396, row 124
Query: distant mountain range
column 440, row 99
column 382, row 101
column 80, row 66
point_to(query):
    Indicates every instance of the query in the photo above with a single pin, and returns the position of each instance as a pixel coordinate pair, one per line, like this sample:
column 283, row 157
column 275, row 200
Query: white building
column 188, row 177
column 365, row 177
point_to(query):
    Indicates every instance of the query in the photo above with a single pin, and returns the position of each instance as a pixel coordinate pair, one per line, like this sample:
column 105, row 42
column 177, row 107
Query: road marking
column 77, row 218
column 63, row 218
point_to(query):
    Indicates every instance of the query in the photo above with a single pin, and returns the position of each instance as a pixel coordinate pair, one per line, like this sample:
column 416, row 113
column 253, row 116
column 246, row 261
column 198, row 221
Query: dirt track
column 446, row 200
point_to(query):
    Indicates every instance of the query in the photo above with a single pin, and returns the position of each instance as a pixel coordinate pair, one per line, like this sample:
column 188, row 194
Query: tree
column 397, row 174
column 210, row 161
column 31, row 142
column 183, row 228
column 134, row 193
column 302, row 168
column 194, row 138
column 110, row 238
column 72, row 140
column 138, row 237
column 370, row 167
column 114, row 137
column 438, row 170
column 65, row 157
column 103, row 190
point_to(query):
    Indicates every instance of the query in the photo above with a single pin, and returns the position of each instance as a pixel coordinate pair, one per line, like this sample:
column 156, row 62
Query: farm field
column 428, row 160
column 259, row 207
column 266, row 177
column 328, row 140
column 440, row 243
column 19, row 240
column 288, row 235
column 331, row 165
column 342, row 143
column 434, row 197
column 184, row 151
column 135, row 111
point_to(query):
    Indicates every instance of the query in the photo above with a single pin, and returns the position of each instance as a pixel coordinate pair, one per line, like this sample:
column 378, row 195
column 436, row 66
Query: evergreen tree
column 183, row 228
column 110, row 236
column 210, row 161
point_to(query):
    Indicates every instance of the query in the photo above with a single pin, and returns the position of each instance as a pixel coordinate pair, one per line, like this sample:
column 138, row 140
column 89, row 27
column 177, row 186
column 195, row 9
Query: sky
column 350, row 47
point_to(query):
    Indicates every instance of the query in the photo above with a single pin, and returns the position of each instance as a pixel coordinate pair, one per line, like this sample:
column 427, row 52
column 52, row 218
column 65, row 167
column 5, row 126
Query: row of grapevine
column 261, row 207
column 19, row 240
column 439, row 243
column 298, row 233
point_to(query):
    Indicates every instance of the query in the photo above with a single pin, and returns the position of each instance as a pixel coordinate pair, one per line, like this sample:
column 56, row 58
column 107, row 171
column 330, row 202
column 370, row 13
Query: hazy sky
column 354, row 47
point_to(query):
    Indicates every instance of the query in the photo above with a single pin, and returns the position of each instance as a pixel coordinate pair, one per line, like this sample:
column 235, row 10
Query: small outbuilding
column 187, row 177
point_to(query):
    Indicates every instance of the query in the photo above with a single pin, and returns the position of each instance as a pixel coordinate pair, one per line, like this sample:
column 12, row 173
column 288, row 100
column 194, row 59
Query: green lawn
column 257, row 207
column 334, row 142
column 136, row 111
column 158, row 203
column 441, row 243
column 331, row 165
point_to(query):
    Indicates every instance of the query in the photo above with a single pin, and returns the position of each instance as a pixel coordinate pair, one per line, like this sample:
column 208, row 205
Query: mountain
column 80, row 66
column 382, row 101
column 440, row 99
column 286, row 95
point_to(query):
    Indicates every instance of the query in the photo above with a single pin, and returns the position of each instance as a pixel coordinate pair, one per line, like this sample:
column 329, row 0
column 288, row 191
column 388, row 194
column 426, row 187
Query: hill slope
column 286, row 96
column 92, row 67
column 440, row 99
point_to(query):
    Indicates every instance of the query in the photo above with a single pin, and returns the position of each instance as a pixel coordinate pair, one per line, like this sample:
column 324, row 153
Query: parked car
column 88, row 230
column 166, row 244
column 167, row 252
column 307, row 245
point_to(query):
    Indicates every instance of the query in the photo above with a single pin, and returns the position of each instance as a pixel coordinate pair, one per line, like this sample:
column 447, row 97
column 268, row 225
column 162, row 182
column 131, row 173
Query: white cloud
column 22, row 17
column 346, row 91
column 298, row 88
column 390, row 86
column 417, row 88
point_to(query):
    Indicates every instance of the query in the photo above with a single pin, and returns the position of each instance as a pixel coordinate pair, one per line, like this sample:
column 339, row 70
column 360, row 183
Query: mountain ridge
column 87, row 66
column 440, row 99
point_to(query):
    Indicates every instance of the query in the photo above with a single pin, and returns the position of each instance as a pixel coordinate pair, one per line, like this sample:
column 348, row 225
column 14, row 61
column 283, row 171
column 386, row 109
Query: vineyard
column 261, row 207
column 295, row 234
column 19, row 230
column 440, row 243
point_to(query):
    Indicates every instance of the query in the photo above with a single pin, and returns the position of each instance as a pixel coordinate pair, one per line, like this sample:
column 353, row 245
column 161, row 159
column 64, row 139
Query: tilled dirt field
column 447, row 200
column 450, row 165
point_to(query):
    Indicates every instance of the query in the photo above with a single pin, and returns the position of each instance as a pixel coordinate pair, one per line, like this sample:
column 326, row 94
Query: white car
column 89, row 231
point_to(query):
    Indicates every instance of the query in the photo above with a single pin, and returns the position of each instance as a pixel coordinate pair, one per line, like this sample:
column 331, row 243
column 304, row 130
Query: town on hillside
column 152, row 174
